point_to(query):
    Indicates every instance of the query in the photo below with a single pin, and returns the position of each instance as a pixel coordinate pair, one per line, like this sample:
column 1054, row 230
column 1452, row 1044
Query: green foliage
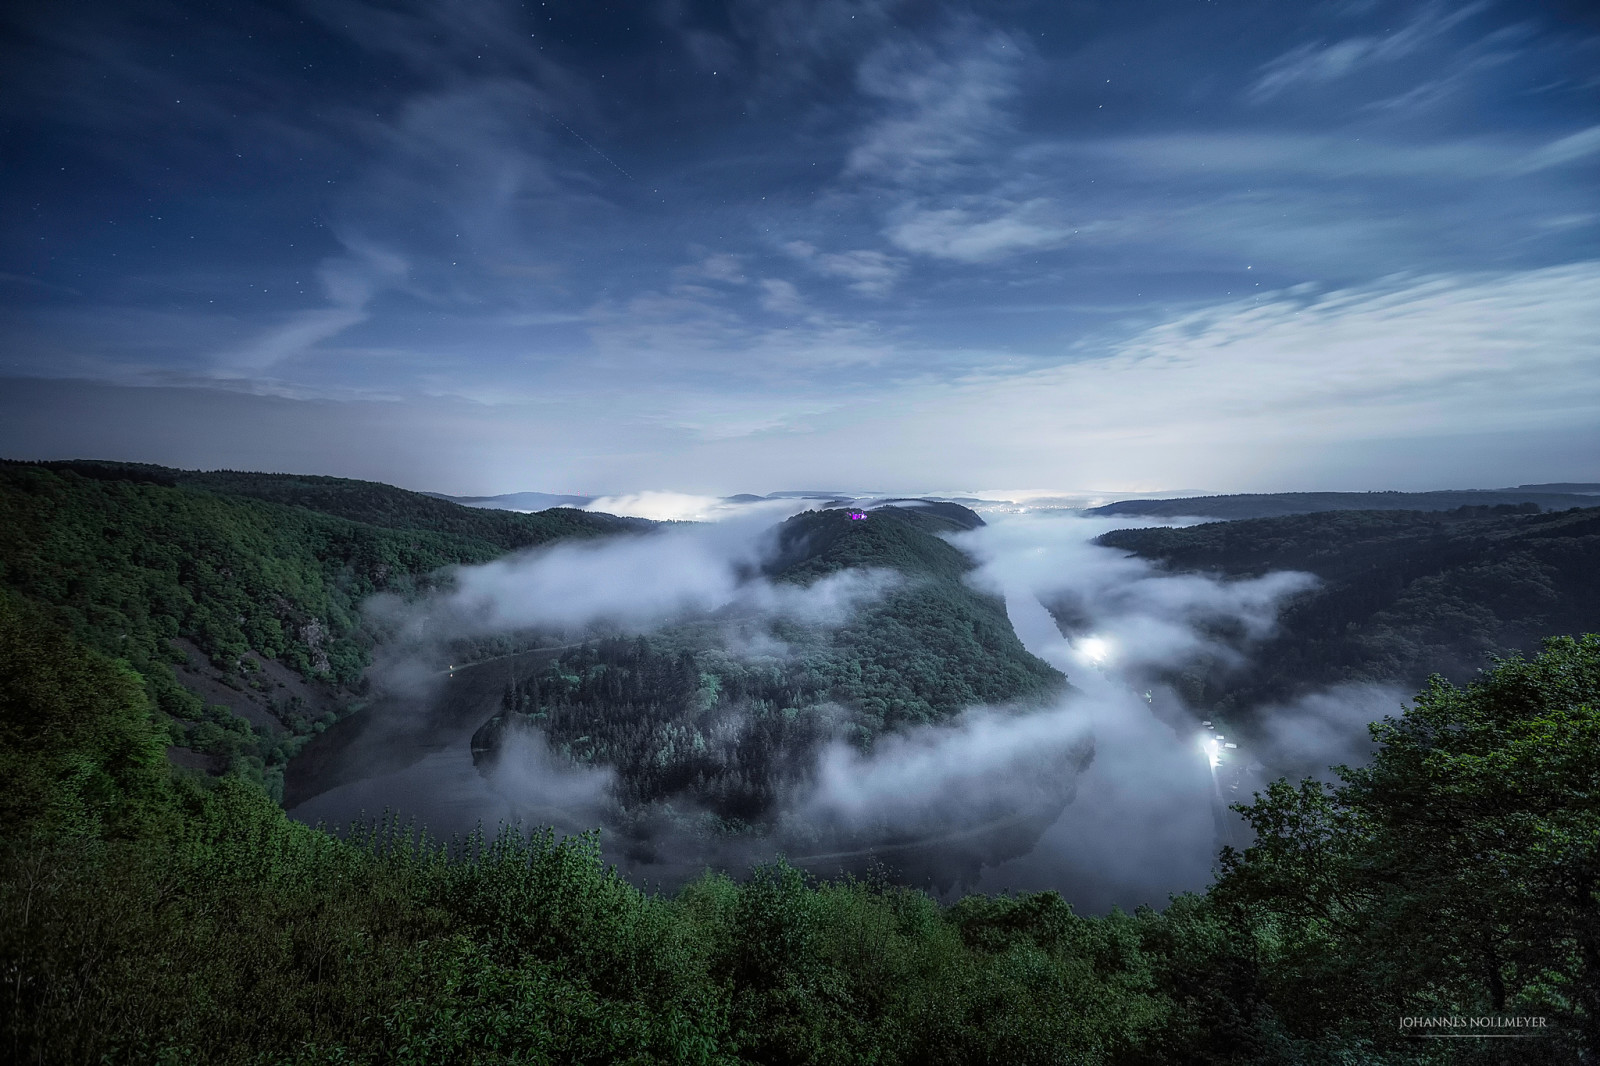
column 1459, row 873
column 132, row 557
column 487, row 530
column 79, row 753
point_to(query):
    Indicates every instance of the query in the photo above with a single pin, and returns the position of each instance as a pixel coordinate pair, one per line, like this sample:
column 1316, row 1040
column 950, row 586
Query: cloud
column 1564, row 150
column 781, row 297
column 686, row 335
column 636, row 582
column 721, row 266
column 869, row 272
column 349, row 282
column 1409, row 358
column 1412, row 382
column 538, row 281
column 942, row 102
column 34, row 283
column 978, row 766
column 977, row 235
column 543, row 789
column 1229, row 155
column 1318, row 63
column 797, row 46
column 1325, row 729
column 660, row 506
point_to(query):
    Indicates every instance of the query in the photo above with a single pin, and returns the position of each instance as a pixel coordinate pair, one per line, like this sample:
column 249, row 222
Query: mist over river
column 1143, row 820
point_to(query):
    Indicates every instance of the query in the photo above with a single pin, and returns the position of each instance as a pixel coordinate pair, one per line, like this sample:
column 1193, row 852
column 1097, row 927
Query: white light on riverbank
column 1095, row 649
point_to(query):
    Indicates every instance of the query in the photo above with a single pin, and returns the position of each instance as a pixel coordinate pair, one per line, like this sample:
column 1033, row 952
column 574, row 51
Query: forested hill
column 687, row 723
column 1272, row 504
column 1404, row 594
column 369, row 502
column 235, row 595
column 814, row 544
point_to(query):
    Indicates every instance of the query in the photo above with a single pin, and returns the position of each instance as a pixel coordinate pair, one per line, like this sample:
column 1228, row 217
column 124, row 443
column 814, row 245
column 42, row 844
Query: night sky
column 571, row 246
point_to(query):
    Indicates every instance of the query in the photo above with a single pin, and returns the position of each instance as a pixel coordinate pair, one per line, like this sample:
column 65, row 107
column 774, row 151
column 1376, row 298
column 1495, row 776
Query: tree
column 1458, row 872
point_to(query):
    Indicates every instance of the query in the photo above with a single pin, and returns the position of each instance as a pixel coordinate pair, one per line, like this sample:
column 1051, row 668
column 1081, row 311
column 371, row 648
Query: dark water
column 410, row 754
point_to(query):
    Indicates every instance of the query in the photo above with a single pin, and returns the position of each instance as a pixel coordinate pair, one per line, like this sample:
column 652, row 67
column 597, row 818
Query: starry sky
column 485, row 246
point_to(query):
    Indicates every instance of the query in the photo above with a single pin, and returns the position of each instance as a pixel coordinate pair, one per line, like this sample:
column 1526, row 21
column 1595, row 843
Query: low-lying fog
column 1149, row 812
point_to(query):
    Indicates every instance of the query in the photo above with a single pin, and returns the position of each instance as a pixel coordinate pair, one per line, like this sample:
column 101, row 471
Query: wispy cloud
column 940, row 142
column 1560, row 152
column 868, row 272
column 781, row 297
column 1320, row 62
column 1230, row 154
column 720, row 266
column 1407, row 358
column 350, row 283
column 942, row 103
column 977, row 234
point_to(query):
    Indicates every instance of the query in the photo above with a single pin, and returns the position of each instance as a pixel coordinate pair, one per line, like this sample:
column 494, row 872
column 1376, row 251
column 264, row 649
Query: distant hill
column 950, row 512
column 370, row 502
column 1586, row 488
column 1404, row 594
column 516, row 501
column 247, row 583
column 819, row 494
column 1267, row 505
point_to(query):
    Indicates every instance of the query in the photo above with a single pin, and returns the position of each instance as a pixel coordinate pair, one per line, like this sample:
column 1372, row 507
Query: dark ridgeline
column 1553, row 497
column 1402, row 595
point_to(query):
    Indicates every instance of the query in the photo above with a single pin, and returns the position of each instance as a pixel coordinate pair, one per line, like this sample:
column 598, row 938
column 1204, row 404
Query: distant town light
column 857, row 516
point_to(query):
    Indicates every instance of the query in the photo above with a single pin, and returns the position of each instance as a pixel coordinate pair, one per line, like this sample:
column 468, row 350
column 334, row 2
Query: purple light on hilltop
column 855, row 517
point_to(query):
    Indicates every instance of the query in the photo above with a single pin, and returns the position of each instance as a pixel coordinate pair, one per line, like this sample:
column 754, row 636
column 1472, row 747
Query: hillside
column 371, row 503
column 1404, row 594
column 235, row 595
column 1273, row 504
column 684, row 721
column 516, row 501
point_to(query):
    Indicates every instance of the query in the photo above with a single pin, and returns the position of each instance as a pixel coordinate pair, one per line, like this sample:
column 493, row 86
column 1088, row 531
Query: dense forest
column 681, row 718
column 153, row 915
column 259, row 575
column 1402, row 595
